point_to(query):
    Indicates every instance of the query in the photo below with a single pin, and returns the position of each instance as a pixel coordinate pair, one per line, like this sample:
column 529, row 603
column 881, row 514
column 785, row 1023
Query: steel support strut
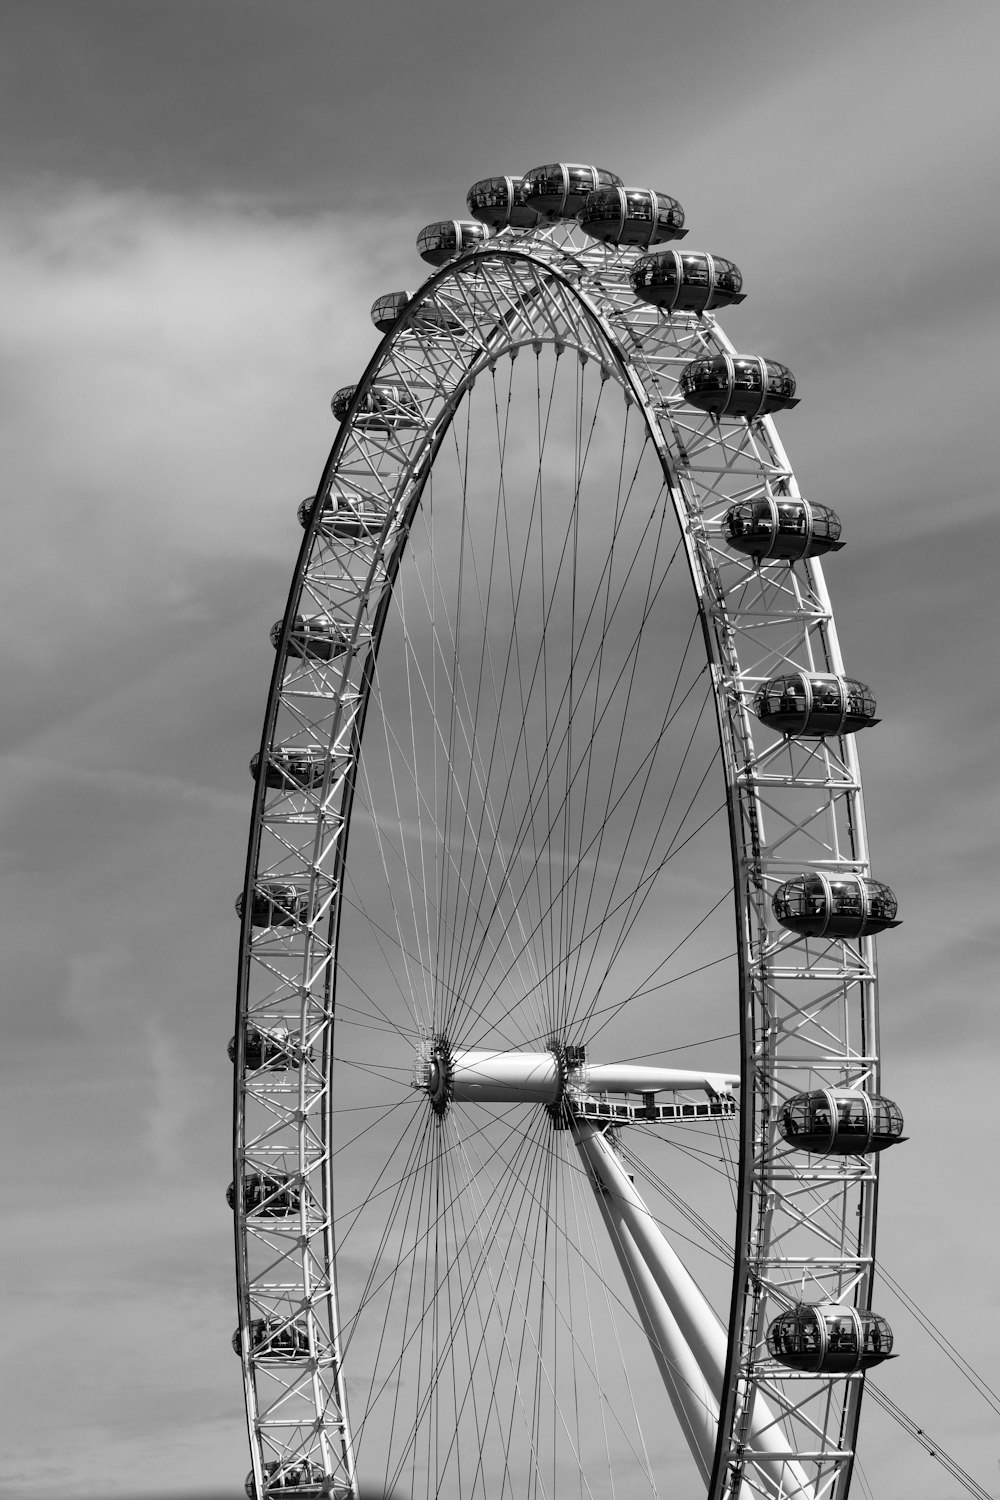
column 687, row 1340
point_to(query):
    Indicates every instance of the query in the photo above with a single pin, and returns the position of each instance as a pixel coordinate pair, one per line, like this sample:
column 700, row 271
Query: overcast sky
column 201, row 200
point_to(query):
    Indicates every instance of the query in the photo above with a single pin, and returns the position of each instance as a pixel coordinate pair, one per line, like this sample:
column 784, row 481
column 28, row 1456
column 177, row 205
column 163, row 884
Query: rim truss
column 805, row 1226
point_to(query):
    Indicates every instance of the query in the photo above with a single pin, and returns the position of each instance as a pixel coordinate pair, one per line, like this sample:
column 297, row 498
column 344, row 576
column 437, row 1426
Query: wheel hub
column 494, row 1076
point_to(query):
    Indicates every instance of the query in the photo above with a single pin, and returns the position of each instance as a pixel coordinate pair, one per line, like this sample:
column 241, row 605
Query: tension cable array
column 909, row 1426
column 944, row 1344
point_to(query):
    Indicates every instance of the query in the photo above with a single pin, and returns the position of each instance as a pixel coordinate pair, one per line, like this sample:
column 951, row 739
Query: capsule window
column 841, row 1336
column 888, row 1117
column 711, row 377
column 746, row 375
column 639, row 206
column 882, row 901
column 697, row 270
column 845, row 897
column 795, row 1333
column 728, row 276
column 852, row 1116
column 792, row 517
column 877, row 1335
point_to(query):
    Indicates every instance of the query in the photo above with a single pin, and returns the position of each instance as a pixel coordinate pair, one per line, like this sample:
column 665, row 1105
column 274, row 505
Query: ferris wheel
column 534, row 1143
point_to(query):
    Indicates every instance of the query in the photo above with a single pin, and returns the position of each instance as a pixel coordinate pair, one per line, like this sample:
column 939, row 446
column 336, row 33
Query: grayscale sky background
column 201, row 199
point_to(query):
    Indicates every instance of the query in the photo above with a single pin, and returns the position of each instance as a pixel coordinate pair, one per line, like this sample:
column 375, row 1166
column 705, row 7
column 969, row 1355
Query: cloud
column 167, row 373
column 49, row 772
column 97, row 992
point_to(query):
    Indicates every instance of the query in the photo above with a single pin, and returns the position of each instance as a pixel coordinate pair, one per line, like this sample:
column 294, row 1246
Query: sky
column 201, row 199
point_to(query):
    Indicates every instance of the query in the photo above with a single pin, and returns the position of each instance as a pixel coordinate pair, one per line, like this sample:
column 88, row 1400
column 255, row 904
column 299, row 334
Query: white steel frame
column 805, row 1225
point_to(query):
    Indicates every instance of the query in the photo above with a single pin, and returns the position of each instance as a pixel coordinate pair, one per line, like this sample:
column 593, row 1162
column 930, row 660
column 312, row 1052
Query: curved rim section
column 804, row 1231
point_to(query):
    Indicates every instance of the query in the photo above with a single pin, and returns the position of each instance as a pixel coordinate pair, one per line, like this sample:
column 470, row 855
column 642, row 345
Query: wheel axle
column 552, row 1078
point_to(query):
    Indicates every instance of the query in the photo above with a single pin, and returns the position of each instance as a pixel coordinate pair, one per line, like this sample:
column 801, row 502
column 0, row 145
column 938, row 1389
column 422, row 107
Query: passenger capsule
column 296, row 1480
column 686, row 281
column 738, row 385
column 292, row 768
column 440, row 242
column 560, row 189
column 276, row 904
column 499, row 202
column 269, row 1194
column 427, row 314
column 383, row 408
column 782, row 527
column 840, row 1122
column 829, row 1340
column 815, row 704
column 835, row 906
column 387, row 308
column 347, row 515
column 304, row 511
column 317, row 637
column 265, row 1051
column 271, row 1340
column 631, row 216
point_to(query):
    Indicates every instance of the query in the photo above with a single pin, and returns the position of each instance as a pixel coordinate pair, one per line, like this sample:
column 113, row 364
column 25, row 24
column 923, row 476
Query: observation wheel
column 557, row 1087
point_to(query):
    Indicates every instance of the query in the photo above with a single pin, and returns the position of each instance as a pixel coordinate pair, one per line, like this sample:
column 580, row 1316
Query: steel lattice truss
column 808, row 1009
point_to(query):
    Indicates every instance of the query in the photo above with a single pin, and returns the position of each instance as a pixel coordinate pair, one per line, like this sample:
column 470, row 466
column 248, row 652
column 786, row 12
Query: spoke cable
column 934, row 1449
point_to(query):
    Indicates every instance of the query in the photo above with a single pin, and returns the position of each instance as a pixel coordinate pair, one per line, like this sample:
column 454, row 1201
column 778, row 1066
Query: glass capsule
column 500, row 203
column 814, row 704
column 383, row 408
column 426, row 315
column 835, row 906
column 387, row 308
column 276, row 903
column 269, row 1194
column 840, row 1122
column 272, row 1341
column 441, row 241
column 631, row 216
column 347, row 515
column 738, row 385
column 316, row 637
column 782, row 527
column 296, row 1480
column 292, row 768
column 265, row 1051
column 686, row 281
column 829, row 1340
column 559, row 190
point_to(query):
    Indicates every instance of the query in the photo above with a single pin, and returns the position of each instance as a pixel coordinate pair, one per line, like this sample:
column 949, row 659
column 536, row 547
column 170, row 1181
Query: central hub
column 432, row 1072
column 490, row 1076
column 561, row 1077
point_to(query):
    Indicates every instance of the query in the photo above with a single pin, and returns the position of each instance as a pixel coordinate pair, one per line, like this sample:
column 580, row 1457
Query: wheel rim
column 405, row 908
